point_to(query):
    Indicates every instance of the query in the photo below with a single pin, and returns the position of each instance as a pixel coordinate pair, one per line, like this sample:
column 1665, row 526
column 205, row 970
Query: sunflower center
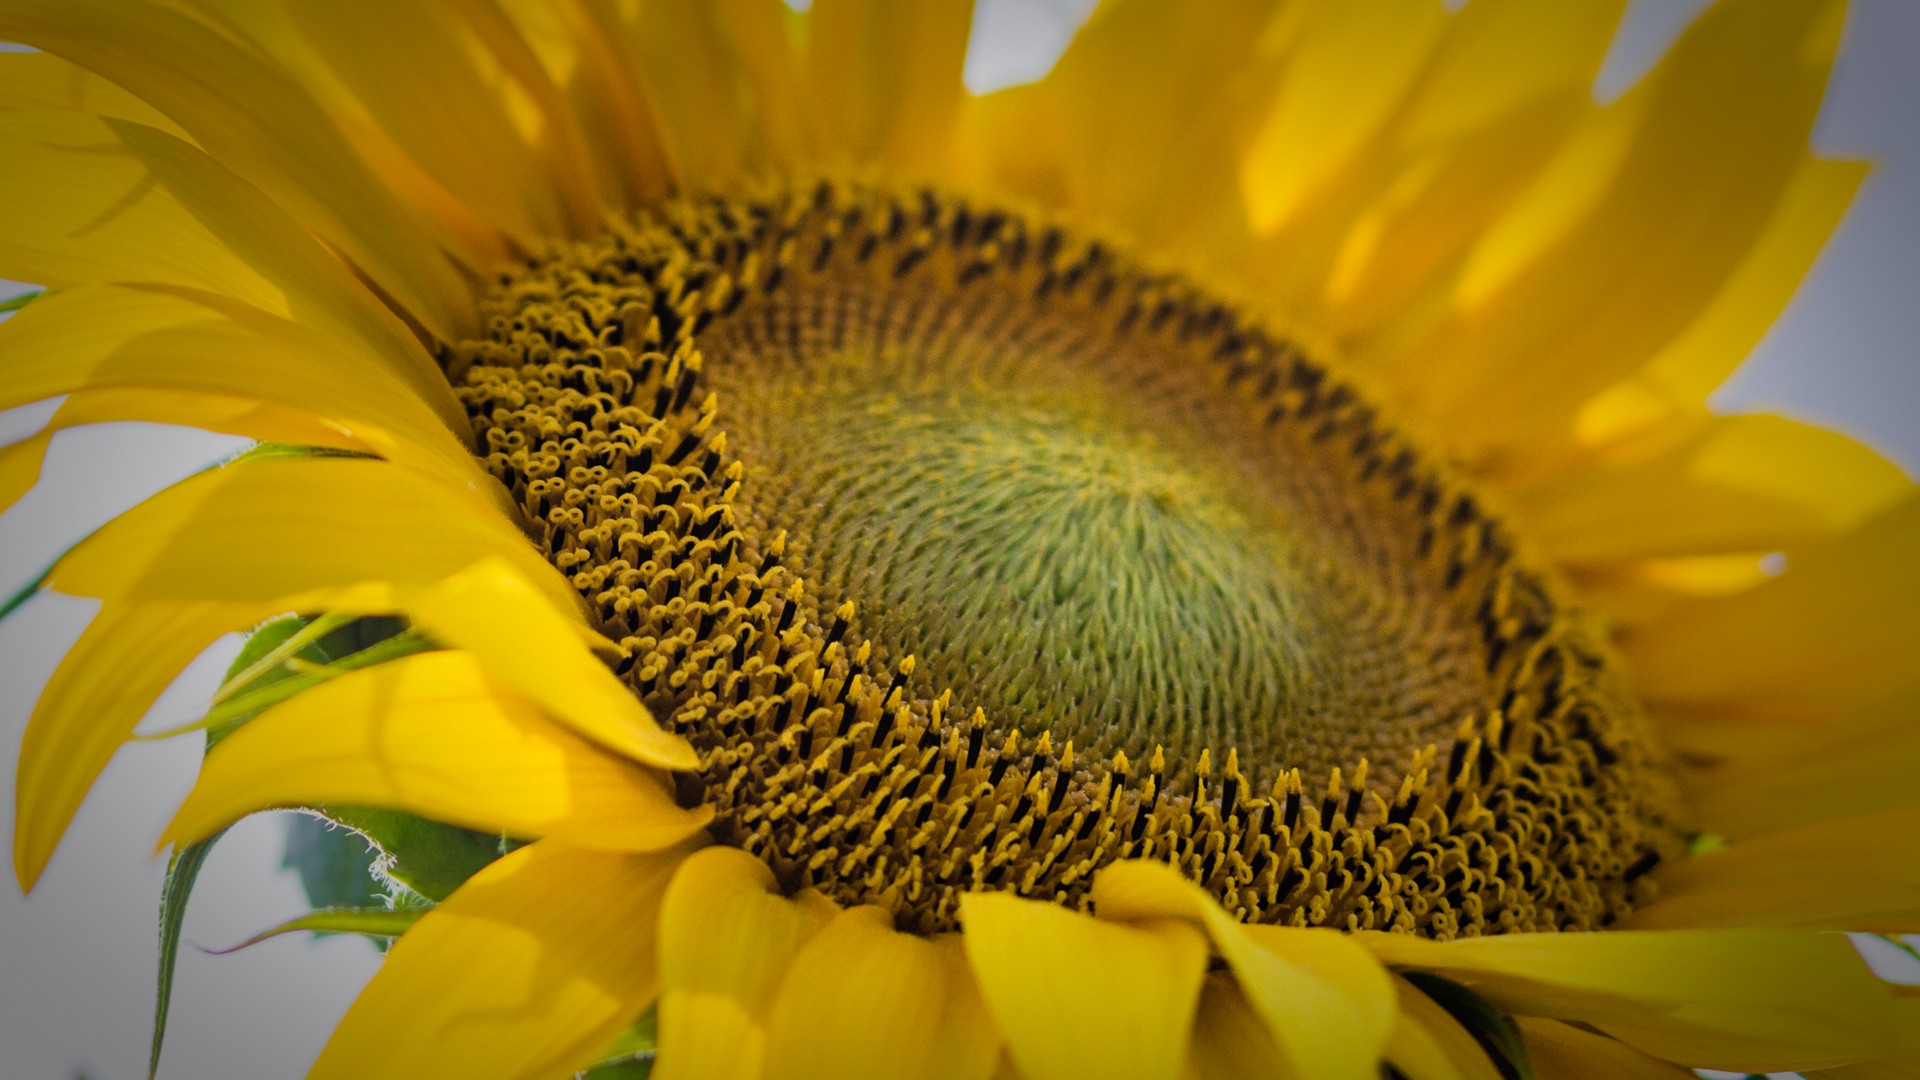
column 972, row 556
column 1050, row 560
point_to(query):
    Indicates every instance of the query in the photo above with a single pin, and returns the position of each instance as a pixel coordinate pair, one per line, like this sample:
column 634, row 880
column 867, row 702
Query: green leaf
column 1492, row 1029
column 369, row 921
column 182, row 869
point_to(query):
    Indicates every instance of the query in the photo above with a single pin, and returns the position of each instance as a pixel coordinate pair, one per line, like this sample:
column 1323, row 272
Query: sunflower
column 1214, row 562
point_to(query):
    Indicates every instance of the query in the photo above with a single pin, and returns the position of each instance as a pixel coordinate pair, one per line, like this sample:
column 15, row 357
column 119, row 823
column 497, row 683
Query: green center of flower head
column 971, row 556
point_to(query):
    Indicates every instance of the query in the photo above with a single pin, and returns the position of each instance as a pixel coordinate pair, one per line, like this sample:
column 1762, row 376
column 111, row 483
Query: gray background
column 76, row 959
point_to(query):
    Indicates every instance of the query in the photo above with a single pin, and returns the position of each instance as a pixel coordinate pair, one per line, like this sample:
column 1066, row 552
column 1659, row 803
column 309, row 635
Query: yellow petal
column 432, row 735
column 724, row 82
column 1231, row 1040
column 1717, row 135
column 886, row 79
column 726, row 938
column 1502, row 57
column 1863, row 765
column 1831, row 634
column 1139, row 74
column 967, row 1045
column 112, row 337
column 210, row 412
column 1506, row 81
column 20, row 462
column 1737, row 483
column 81, row 718
column 395, row 56
column 37, row 80
column 1564, row 1052
column 1722, row 335
column 1328, row 1005
column 492, row 611
column 859, row 1000
column 1076, row 996
column 88, row 200
column 1427, row 1043
column 1753, row 1000
column 1847, row 873
column 526, row 970
column 260, row 123
column 1349, row 71
column 268, row 528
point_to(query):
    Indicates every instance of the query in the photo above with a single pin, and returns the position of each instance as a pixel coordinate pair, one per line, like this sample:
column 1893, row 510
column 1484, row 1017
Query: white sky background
column 77, row 958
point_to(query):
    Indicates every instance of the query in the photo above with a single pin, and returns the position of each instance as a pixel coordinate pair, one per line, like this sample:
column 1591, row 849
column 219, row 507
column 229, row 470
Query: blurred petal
column 1850, row 873
column 81, row 718
column 726, row 938
column 1833, row 633
column 1564, row 1052
column 1230, row 1040
column 254, row 117
column 1750, row 1000
column 1427, row 1043
column 37, row 80
column 432, row 735
column 1735, row 483
column 860, row 1000
column 527, row 970
column 269, row 528
column 1076, row 996
column 525, row 642
column 886, row 78
column 1328, row 1004
column 1637, row 230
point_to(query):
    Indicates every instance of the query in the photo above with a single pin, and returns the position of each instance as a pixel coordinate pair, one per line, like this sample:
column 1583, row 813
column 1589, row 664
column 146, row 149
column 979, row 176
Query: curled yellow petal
column 1230, row 1039
column 886, row 77
column 1561, row 1051
column 726, row 938
column 492, row 611
column 1847, row 873
column 1751, row 1000
column 432, row 735
column 266, row 529
column 82, row 718
column 261, row 123
column 860, row 1000
column 1328, row 1004
column 1427, row 1043
column 106, row 337
column 1077, row 996
column 527, row 970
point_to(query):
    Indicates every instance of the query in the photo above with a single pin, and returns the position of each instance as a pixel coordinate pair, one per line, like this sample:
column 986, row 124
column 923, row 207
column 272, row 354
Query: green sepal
column 637, row 1068
column 383, row 922
column 182, row 869
column 428, row 857
column 20, row 300
column 1494, row 1030
column 336, row 865
column 630, row 1056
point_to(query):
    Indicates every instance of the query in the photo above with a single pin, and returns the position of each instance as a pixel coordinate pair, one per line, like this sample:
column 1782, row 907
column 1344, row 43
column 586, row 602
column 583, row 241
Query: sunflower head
column 1213, row 562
